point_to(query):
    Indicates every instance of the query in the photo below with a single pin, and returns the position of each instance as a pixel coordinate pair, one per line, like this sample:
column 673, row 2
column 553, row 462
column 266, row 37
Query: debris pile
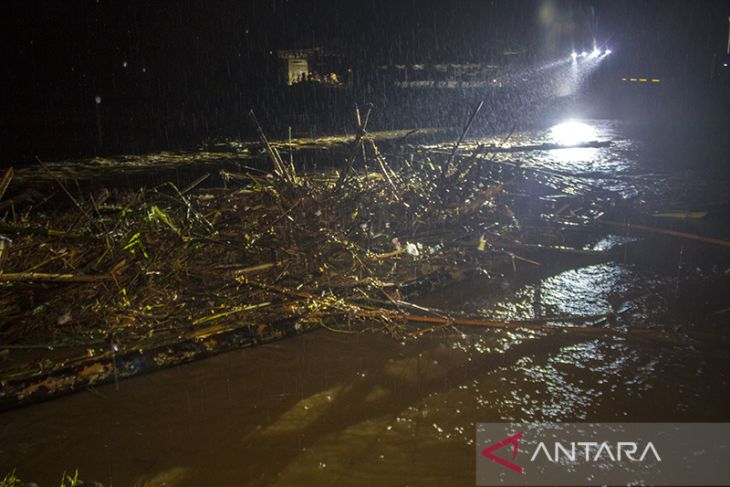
column 165, row 260
column 270, row 253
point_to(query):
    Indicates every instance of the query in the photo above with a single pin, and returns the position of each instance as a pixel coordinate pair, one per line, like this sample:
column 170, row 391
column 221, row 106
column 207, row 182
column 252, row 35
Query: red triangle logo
column 510, row 440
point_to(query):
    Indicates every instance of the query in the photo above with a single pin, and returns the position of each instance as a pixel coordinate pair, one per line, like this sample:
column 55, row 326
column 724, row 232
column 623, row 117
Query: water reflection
column 572, row 132
column 584, row 291
column 574, row 156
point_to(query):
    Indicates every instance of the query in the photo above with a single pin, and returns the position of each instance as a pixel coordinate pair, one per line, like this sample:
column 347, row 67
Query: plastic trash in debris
column 412, row 249
column 482, row 243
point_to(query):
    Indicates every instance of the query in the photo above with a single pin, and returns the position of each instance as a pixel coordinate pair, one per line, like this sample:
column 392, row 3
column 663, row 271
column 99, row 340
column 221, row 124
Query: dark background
column 174, row 75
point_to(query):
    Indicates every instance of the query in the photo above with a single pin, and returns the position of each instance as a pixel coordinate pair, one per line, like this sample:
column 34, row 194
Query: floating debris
column 168, row 275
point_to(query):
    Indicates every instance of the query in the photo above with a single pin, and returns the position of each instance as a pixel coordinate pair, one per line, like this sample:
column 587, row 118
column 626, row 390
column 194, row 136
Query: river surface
column 365, row 409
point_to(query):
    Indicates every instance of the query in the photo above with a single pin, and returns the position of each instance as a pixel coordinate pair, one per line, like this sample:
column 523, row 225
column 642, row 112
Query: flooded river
column 364, row 409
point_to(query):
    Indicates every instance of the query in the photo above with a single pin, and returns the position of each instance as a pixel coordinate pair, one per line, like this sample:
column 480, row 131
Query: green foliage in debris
column 134, row 244
column 11, row 480
column 156, row 214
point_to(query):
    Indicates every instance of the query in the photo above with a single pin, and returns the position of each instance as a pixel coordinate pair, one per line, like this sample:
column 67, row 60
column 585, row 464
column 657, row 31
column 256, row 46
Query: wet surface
column 337, row 409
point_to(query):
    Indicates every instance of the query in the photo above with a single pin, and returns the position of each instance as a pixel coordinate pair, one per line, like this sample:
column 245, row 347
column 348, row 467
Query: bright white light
column 574, row 55
column 583, row 54
column 608, row 51
column 595, row 51
column 572, row 132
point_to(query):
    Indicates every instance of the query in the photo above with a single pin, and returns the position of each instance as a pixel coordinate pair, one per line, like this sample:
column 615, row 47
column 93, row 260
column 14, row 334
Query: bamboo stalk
column 5, row 182
column 256, row 268
column 275, row 159
column 384, row 167
column 228, row 312
column 462, row 137
column 665, row 231
column 42, row 276
column 44, row 232
column 476, row 322
column 195, row 183
column 361, row 127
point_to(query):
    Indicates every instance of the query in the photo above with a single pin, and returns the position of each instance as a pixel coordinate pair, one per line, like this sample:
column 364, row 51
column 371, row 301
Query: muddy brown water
column 365, row 409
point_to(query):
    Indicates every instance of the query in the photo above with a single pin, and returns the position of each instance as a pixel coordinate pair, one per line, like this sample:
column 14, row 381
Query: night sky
column 172, row 74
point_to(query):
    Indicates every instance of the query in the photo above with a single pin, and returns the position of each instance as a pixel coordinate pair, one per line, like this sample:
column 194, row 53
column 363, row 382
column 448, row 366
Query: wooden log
column 38, row 384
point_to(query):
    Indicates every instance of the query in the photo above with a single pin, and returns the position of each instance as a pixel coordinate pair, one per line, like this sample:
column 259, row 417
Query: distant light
column 97, row 99
column 572, row 132
column 583, row 54
column 608, row 51
column 574, row 55
column 724, row 64
column 595, row 51
column 642, row 80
